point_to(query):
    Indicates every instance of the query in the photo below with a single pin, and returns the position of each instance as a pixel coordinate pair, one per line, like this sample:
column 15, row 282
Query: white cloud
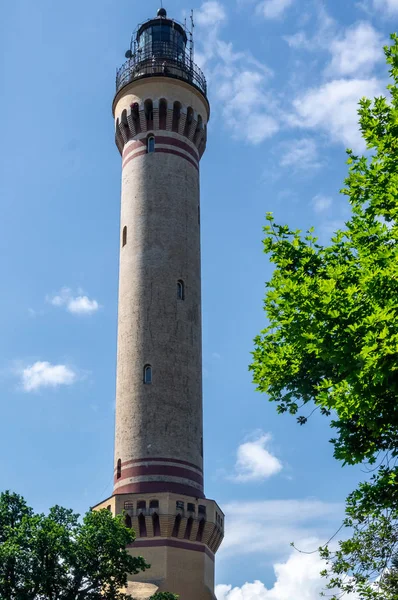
column 354, row 51
column 75, row 304
column 296, row 579
column 326, row 30
column 239, row 80
column 321, row 203
column 333, row 108
column 254, row 461
column 391, row 6
column 268, row 527
column 44, row 374
column 82, row 305
column 357, row 52
column 210, row 14
column 246, row 104
column 300, row 154
column 273, row 9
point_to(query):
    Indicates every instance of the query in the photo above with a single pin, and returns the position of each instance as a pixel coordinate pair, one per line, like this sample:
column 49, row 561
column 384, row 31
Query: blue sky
column 284, row 80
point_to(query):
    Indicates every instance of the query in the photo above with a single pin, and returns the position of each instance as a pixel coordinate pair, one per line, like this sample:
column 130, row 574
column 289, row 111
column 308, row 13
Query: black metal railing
column 161, row 59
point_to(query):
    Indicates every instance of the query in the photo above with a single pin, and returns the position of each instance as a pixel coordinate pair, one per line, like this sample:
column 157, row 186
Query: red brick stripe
column 144, row 470
column 141, row 153
column 178, row 143
column 173, row 544
column 163, row 151
column 161, row 139
column 176, row 153
column 154, row 459
column 134, row 146
column 157, row 487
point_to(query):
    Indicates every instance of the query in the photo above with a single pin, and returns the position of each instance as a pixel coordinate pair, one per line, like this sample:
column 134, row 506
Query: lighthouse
column 161, row 113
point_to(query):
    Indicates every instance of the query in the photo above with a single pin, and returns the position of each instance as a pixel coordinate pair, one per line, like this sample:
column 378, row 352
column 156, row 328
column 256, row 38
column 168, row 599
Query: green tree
column 60, row 557
column 390, row 581
column 332, row 341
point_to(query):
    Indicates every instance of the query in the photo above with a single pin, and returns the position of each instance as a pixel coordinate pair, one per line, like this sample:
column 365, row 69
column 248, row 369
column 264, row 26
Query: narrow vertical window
column 142, row 525
column 156, row 525
column 119, row 469
column 176, row 528
column 148, row 108
column 125, row 122
column 128, row 522
column 199, row 129
column 124, row 236
column 201, row 529
column 188, row 530
column 147, row 374
column 163, row 114
column 176, row 116
column 151, row 144
column 180, row 290
column 188, row 122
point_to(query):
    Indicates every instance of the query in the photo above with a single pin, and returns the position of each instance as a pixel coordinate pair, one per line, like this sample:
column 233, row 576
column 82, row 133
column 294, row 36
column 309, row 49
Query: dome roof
column 162, row 12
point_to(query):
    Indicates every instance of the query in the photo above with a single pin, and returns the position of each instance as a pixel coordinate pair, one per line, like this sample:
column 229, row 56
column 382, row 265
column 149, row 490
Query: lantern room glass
column 162, row 39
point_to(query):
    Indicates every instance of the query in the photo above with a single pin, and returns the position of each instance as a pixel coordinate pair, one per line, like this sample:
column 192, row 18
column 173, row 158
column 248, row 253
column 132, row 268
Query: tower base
column 178, row 536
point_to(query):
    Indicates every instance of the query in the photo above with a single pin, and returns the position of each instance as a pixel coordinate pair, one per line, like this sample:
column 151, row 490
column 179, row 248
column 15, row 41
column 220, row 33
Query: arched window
column 162, row 114
column 156, row 525
column 176, row 528
column 148, row 107
column 199, row 128
column 188, row 122
column 201, row 529
column 119, row 469
column 188, row 529
column 135, row 111
column 124, row 236
column 135, row 115
column 154, row 504
column 128, row 522
column 180, row 290
column 142, row 525
column 124, row 118
column 150, row 144
column 147, row 374
column 176, row 116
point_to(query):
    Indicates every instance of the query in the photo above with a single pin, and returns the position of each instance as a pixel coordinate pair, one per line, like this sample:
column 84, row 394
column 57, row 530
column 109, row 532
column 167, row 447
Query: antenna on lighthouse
column 191, row 42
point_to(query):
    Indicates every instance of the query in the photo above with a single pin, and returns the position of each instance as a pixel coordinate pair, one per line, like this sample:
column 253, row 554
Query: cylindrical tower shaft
column 159, row 437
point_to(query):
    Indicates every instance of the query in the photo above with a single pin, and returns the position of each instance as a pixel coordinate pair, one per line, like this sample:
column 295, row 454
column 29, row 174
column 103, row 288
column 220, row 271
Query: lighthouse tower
column 161, row 113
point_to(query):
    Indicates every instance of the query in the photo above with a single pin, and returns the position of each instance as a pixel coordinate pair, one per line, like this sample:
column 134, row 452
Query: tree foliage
column 60, row 557
column 332, row 341
column 164, row 596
